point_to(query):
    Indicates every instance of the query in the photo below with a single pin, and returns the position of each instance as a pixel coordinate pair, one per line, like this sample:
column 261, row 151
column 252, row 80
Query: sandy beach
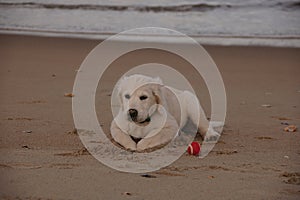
column 41, row 157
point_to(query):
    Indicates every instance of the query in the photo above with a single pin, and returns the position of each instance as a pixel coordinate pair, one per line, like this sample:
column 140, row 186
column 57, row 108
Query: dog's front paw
column 211, row 136
column 130, row 146
column 143, row 145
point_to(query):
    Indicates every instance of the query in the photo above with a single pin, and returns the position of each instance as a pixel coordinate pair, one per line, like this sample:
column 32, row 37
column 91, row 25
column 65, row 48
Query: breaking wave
column 140, row 8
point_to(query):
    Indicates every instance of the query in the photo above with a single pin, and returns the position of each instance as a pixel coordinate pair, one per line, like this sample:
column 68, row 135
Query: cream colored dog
column 152, row 114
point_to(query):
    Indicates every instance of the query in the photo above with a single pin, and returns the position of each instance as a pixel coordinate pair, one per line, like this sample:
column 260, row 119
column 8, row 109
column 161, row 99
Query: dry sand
column 254, row 159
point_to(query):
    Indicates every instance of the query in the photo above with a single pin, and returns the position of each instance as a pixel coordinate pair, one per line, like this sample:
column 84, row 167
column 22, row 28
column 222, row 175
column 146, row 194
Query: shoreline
column 288, row 41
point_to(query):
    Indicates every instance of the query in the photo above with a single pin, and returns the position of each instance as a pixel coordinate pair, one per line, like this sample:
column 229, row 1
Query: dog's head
column 139, row 96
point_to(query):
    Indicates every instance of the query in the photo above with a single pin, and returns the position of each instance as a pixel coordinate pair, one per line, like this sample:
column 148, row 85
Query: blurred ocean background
column 224, row 22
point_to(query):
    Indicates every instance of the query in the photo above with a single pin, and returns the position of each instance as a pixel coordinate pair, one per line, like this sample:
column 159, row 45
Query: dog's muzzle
column 133, row 113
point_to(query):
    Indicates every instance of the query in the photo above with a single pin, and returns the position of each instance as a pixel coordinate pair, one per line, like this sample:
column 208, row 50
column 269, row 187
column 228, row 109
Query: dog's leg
column 164, row 136
column 199, row 118
column 122, row 138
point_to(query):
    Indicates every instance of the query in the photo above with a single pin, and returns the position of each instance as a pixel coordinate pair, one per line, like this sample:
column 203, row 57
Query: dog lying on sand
column 151, row 113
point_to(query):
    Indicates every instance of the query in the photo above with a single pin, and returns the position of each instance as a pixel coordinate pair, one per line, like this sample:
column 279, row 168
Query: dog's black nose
column 133, row 113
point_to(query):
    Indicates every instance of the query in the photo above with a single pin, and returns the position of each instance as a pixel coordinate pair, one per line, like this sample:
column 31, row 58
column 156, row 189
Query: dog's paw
column 143, row 145
column 130, row 146
column 216, row 125
column 211, row 136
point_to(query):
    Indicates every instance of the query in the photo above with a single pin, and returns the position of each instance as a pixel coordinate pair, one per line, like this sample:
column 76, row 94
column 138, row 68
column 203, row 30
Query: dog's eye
column 127, row 96
column 143, row 97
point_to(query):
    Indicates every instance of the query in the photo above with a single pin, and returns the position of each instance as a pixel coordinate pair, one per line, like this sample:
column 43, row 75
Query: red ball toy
column 194, row 148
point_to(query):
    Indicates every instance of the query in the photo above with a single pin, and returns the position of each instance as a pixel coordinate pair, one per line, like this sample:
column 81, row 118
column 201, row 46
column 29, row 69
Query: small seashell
column 127, row 193
column 27, row 131
column 290, row 128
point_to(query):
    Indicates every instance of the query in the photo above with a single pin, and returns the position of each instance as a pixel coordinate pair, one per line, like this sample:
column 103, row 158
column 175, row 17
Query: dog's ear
column 120, row 92
column 121, row 100
column 157, row 97
column 156, row 91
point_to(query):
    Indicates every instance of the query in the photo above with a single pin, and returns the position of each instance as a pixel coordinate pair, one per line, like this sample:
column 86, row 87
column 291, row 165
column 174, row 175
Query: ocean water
column 227, row 22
